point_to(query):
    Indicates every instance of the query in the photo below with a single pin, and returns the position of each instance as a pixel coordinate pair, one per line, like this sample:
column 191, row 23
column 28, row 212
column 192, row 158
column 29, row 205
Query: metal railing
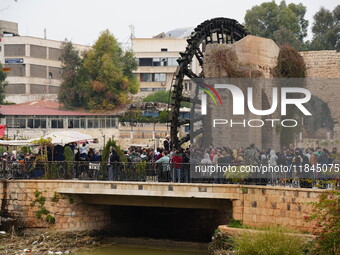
column 147, row 172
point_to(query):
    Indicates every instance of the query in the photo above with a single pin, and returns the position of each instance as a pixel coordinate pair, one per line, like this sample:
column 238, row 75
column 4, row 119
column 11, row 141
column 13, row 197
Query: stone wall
column 256, row 206
column 263, row 206
column 251, row 57
column 322, row 64
column 70, row 212
column 325, row 65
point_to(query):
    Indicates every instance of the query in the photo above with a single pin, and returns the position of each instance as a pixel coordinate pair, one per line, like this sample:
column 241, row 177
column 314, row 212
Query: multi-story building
column 157, row 59
column 34, row 62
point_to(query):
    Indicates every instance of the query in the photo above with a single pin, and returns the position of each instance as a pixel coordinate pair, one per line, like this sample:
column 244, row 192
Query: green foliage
column 107, row 150
column 70, row 93
column 237, row 175
column 221, row 244
column 37, row 193
column 273, row 241
column 25, row 149
column 41, row 211
column 68, row 154
column 326, row 30
column 285, row 36
column 163, row 116
column 235, row 223
column 55, row 197
column 102, row 79
column 162, row 96
column 277, row 21
column 71, row 200
column 135, row 116
column 326, row 214
column 290, row 63
column 50, row 219
column 110, row 74
column 3, row 85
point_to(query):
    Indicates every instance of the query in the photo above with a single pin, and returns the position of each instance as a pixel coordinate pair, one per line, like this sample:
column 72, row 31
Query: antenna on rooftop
column 132, row 29
column 132, row 35
column 45, row 33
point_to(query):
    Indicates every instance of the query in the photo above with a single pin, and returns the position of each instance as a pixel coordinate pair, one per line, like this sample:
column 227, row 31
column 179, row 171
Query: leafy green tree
column 70, row 93
column 110, row 74
column 277, row 21
column 285, row 36
column 326, row 30
column 2, row 84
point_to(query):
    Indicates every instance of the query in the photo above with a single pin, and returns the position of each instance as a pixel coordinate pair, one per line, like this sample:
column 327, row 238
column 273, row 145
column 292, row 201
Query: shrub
column 221, row 244
column 326, row 213
column 107, row 150
column 272, row 241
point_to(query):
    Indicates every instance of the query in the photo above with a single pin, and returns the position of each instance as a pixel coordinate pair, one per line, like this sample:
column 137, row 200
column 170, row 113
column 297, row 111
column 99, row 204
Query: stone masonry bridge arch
column 85, row 205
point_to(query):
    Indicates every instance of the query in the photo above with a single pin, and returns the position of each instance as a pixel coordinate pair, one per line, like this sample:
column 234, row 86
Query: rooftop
column 43, row 108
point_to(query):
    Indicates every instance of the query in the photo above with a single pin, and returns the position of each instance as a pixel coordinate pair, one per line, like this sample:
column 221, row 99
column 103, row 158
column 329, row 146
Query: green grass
column 272, row 241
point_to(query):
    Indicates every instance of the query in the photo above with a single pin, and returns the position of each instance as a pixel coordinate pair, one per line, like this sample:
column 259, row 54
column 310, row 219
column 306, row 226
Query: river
column 147, row 246
column 117, row 250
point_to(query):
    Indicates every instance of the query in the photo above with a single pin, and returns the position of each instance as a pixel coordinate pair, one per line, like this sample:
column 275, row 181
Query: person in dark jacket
column 113, row 167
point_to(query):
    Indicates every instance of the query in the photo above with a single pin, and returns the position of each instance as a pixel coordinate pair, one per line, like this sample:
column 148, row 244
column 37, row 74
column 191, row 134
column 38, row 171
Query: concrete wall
column 44, row 56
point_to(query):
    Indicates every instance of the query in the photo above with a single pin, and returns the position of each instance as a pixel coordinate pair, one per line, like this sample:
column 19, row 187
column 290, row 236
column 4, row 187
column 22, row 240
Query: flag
column 2, row 131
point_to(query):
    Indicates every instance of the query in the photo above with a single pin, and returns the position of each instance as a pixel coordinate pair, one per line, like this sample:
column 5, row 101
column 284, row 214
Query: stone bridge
column 85, row 205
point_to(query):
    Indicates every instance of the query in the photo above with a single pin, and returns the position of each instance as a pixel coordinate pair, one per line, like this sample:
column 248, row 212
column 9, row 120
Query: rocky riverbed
column 34, row 243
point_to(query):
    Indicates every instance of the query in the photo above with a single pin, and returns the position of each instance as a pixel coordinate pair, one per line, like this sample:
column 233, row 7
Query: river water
column 117, row 250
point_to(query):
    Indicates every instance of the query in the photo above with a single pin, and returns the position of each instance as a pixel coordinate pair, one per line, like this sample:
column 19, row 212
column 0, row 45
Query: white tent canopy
column 65, row 137
column 62, row 138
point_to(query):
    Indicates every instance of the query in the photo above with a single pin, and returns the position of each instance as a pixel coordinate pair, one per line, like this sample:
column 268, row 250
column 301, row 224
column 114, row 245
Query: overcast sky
column 81, row 21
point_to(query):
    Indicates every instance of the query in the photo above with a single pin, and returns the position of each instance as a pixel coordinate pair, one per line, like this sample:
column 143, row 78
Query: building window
column 38, row 51
column 57, row 123
column 151, row 89
column 54, row 54
column 38, row 71
column 36, row 122
column 145, row 61
column 14, row 50
column 16, row 122
column 164, row 49
column 157, row 61
column 16, row 69
column 73, row 122
column 152, row 77
column 15, row 89
column 90, row 123
column 38, row 89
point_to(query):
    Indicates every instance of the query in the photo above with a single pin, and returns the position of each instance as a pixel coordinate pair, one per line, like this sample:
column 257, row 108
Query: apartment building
column 157, row 59
column 34, row 62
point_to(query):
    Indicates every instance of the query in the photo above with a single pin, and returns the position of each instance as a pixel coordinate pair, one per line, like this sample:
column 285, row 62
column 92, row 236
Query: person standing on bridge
column 176, row 167
column 164, row 167
column 113, row 167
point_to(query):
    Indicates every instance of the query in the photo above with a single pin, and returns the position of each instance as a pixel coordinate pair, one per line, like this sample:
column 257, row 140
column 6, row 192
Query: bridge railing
column 150, row 172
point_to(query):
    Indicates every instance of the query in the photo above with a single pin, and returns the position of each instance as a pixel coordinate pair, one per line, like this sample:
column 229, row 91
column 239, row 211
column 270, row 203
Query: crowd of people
column 253, row 156
column 170, row 164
